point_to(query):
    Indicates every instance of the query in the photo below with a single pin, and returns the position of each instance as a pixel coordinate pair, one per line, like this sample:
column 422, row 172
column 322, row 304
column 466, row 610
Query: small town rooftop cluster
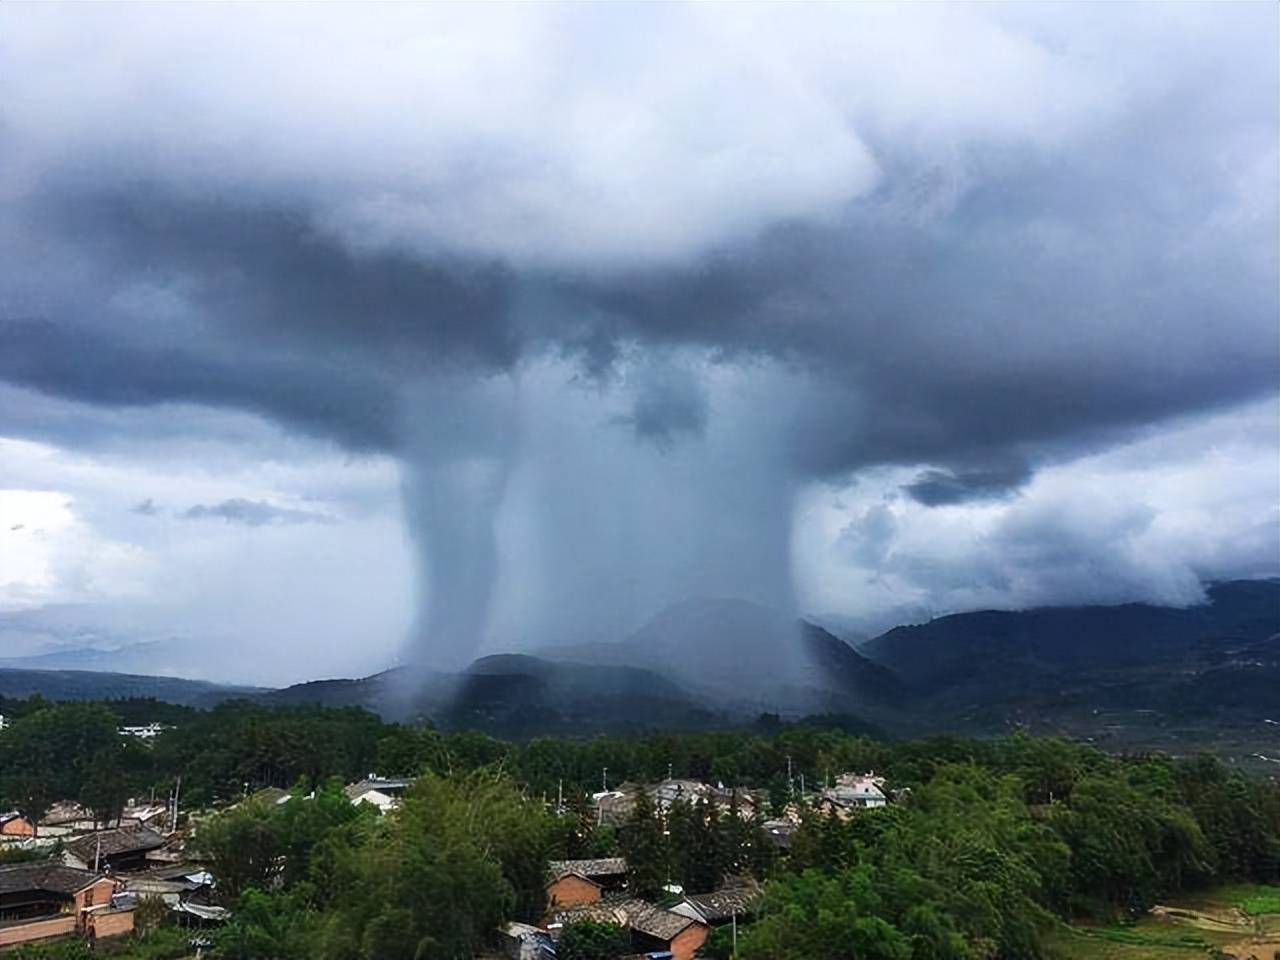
column 92, row 874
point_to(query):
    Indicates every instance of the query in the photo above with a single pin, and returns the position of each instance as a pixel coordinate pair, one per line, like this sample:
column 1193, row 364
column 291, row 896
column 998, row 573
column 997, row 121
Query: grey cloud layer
column 972, row 239
column 253, row 513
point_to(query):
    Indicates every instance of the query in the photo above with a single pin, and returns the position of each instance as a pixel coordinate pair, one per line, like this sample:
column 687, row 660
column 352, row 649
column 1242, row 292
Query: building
column 122, row 850
column 615, row 807
column 721, row 907
column 14, row 825
column 383, row 793
column 523, row 941
column 652, row 928
column 574, row 882
column 728, row 799
column 66, row 818
column 852, row 792
column 780, row 832
column 677, row 791
column 40, row 901
column 145, row 732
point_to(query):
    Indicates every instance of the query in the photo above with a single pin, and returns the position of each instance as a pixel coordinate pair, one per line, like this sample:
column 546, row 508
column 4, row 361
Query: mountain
column 515, row 695
column 1136, row 675
column 747, row 658
column 91, row 685
column 150, row 658
column 1049, row 641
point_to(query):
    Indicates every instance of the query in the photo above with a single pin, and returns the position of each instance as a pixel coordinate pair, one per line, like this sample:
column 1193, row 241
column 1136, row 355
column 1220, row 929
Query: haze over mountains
column 1135, row 674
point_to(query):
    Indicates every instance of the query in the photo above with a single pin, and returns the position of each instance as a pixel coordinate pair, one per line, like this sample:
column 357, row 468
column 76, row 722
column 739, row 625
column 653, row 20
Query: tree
column 591, row 940
column 243, row 846
column 463, row 855
column 644, row 846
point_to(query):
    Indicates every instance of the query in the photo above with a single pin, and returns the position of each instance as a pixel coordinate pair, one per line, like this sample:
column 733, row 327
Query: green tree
column 643, row 844
column 591, row 940
column 244, row 848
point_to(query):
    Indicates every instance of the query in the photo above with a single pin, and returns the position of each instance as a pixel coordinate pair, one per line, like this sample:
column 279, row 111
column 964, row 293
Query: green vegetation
column 1266, row 900
column 589, row 940
column 988, row 848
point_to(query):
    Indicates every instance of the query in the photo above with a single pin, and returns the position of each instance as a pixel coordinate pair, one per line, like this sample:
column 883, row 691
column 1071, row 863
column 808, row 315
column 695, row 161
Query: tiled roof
column 638, row 915
column 654, row 921
column 726, row 903
column 49, row 877
column 606, row 867
column 124, row 840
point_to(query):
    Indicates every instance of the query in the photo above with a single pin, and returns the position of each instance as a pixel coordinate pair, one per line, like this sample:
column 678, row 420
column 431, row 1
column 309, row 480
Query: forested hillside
column 985, row 848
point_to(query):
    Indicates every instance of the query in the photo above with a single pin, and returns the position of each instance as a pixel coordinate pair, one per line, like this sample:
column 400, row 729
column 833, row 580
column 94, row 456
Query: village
column 82, row 878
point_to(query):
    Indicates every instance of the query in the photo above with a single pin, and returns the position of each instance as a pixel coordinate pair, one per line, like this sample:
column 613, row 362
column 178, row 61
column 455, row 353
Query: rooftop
column 726, row 903
column 48, row 877
column 605, row 867
column 114, row 842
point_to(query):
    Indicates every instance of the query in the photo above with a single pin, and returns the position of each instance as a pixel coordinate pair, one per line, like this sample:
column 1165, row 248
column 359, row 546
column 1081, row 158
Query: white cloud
column 266, row 603
column 1148, row 520
column 558, row 135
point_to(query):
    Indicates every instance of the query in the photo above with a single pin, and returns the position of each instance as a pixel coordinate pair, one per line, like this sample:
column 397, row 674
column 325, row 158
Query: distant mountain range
column 96, row 685
column 1135, row 675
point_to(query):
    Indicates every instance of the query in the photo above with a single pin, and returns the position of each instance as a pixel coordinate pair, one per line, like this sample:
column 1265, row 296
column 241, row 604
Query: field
column 1234, row 921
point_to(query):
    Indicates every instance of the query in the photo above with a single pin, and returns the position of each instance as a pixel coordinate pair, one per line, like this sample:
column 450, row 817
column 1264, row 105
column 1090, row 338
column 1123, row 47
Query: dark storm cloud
column 937, row 488
column 1046, row 232
column 669, row 403
column 319, row 395
column 999, row 300
column 253, row 513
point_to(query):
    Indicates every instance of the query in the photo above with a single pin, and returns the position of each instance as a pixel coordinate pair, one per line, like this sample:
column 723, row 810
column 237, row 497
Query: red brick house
column 651, row 928
column 16, row 825
column 41, row 901
column 573, row 882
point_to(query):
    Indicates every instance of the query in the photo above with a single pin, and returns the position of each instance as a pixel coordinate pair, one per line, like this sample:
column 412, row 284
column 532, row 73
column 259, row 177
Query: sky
column 333, row 337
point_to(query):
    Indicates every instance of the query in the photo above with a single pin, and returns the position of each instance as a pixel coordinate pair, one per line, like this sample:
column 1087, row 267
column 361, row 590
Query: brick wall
column 571, row 891
column 37, row 930
column 687, row 942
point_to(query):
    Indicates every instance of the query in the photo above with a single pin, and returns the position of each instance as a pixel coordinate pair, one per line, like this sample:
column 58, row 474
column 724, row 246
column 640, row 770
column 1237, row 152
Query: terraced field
column 1242, row 922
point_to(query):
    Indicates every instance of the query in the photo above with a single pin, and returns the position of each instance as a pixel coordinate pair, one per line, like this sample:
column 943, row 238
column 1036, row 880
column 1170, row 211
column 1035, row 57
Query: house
column 852, row 792
column 270, row 796
column 154, row 815
column 675, row 791
column 14, row 825
column 39, row 901
column 652, row 928
column 722, row 906
column 145, row 732
column 573, row 882
column 172, row 882
column 780, row 832
column 523, row 941
column 615, row 807
column 727, row 799
column 383, row 793
column 65, row 818
column 121, row 850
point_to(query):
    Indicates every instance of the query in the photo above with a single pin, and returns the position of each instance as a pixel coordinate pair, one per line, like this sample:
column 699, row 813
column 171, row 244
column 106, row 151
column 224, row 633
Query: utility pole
column 791, row 787
column 604, row 779
column 559, row 795
column 668, row 769
column 177, row 789
column 735, row 933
